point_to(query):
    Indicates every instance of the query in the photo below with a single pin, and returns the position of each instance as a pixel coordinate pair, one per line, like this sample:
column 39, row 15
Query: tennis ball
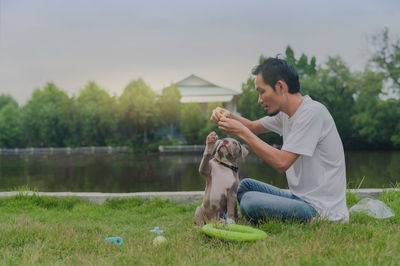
column 159, row 240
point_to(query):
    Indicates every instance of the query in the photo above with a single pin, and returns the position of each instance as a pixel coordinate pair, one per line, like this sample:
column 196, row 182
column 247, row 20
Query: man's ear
column 243, row 151
column 281, row 87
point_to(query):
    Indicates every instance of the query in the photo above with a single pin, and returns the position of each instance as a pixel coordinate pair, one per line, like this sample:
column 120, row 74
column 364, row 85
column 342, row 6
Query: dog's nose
column 225, row 142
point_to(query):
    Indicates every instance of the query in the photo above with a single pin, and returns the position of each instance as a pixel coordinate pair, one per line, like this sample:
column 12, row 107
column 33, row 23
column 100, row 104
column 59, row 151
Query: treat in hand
column 218, row 113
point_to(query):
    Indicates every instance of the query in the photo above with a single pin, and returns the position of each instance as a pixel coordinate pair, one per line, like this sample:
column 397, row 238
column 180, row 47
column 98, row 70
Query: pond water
column 163, row 172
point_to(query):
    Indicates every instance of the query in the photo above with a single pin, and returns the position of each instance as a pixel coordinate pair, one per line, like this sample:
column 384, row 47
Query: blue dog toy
column 115, row 240
column 156, row 230
column 223, row 215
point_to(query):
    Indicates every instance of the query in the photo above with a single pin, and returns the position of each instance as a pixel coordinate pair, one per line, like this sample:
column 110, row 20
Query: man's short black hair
column 274, row 69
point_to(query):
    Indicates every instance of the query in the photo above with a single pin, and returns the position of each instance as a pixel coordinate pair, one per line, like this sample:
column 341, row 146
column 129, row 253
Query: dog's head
column 229, row 150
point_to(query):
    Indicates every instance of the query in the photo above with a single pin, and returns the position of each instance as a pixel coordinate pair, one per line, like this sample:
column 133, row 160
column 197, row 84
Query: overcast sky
column 113, row 42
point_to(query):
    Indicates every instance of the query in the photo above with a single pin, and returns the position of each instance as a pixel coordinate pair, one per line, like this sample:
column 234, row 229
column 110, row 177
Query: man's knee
column 249, row 206
column 245, row 184
column 248, row 203
column 243, row 205
column 246, row 180
column 243, row 187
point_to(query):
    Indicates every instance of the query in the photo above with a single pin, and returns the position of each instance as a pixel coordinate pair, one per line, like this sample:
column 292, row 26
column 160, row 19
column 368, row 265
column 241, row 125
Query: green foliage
column 153, row 146
column 369, row 86
column 388, row 115
column 170, row 105
column 379, row 124
column 10, row 126
column 7, row 99
column 10, row 123
column 334, row 87
column 375, row 120
column 289, row 56
column 363, row 118
column 22, row 199
column 96, row 117
column 138, row 111
column 47, row 117
column 211, row 126
column 302, row 66
column 192, row 122
column 395, row 138
column 248, row 103
column 386, row 56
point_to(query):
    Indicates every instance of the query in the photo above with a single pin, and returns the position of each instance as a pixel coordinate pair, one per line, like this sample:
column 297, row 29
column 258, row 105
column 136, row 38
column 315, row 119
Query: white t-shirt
column 318, row 176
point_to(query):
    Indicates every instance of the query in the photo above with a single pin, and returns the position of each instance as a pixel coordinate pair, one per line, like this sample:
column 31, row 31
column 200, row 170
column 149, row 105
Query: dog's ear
column 243, row 151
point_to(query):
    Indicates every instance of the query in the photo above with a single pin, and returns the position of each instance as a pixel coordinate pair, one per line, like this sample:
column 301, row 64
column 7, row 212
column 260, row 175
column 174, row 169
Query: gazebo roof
column 196, row 89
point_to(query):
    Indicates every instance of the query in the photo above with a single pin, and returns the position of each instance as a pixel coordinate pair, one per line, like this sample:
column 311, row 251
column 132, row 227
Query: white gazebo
column 197, row 90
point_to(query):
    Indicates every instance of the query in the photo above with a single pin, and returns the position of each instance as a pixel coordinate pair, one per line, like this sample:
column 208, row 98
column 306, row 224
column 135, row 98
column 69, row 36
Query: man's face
column 267, row 97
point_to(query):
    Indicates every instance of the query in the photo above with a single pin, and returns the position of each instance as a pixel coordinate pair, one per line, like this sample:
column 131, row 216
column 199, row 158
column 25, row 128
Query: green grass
column 43, row 230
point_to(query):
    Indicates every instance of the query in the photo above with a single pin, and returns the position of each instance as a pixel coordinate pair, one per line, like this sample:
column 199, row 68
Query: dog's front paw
column 212, row 138
column 210, row 143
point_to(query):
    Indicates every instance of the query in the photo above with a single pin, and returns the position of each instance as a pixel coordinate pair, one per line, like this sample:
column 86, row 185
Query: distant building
column 197, row 90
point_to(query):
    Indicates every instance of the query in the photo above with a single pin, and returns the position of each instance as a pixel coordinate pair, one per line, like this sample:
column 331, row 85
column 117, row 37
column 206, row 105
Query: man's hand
column 218, row 113
column 232, row 127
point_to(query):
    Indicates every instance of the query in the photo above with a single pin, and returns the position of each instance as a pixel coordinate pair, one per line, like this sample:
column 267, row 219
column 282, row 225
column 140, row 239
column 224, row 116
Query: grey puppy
column 222, row 179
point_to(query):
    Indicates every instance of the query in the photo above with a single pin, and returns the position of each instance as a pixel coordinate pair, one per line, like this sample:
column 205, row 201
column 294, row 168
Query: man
column 312, row 153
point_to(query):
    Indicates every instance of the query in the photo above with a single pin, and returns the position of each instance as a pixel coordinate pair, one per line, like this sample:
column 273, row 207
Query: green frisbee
column 233, row 232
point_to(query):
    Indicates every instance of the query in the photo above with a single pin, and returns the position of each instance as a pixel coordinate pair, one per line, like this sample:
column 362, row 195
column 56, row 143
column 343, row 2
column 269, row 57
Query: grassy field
column 42, row 230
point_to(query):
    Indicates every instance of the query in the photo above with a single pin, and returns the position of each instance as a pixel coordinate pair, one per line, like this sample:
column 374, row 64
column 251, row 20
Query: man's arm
column 254, row 126
column 279, row 159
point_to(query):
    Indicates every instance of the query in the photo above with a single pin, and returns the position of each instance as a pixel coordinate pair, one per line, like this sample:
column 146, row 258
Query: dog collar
column 234, row 168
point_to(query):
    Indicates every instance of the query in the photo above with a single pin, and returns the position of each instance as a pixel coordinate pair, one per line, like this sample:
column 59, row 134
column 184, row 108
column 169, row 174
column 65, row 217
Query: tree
column 169, row 104
column 248, row 103
column 139, row 113
column 312, row 66
column 192, row 122
column 47, row 117
column 6, row 99
column 289, row 56
column 97, row 117
column 209, row 125
column 395, row 138
column 368, row 87
column 334, row 87
column 302, row 66
column 10, row 126
column 386, row 56
column 388, row 116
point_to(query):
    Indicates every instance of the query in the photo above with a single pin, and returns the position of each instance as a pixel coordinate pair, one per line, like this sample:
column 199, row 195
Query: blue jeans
column 259, row 201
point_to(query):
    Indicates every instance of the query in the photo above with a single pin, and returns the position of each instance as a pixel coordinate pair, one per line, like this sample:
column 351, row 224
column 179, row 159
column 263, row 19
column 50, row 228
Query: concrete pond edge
column 178, row 196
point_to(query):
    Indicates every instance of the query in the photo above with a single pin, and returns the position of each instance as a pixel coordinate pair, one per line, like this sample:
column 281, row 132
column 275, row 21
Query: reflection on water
column 155, row 172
